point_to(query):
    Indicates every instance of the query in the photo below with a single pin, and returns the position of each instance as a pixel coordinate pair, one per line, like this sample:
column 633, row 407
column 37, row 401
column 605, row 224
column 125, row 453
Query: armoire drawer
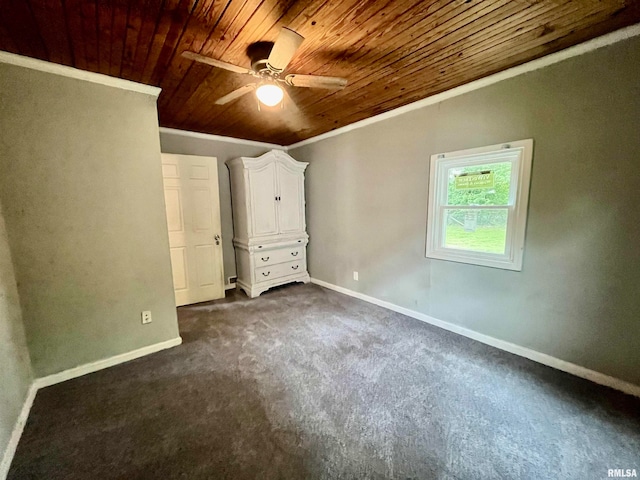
column 264, row 274
column 281, row 255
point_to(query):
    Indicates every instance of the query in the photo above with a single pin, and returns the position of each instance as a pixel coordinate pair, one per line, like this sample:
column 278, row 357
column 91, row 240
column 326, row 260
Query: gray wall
column 223, row 151
column 81, row 186
column 577, row 296
column 15, row 367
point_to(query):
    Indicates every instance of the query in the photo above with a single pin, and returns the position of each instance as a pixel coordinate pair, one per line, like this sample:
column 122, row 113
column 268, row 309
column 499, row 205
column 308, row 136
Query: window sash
column 441, row 227
column 519, row 154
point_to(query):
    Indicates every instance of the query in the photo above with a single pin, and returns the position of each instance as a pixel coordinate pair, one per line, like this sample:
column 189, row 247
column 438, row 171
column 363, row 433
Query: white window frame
column 520, row 153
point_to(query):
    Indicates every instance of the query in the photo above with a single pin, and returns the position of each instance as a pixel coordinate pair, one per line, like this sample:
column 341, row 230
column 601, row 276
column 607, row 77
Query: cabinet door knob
column 266, row 274
column 295, row 267
column 295, row 254
column 264, row 259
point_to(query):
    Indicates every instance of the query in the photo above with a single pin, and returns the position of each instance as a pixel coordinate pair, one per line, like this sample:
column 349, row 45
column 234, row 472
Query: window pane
column 480, row 230
column 486, row 184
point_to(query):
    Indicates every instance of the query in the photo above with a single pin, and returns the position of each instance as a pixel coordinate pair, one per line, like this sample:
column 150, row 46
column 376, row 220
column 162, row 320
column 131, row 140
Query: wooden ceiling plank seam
column 233, row 13
column 178, row 65
column 522, row 28
column 525, row 24
column 178, row 22
column 499, row 65
column 135, row 21
column 23, row 29
column 603, row 27
column 68, row 32
column 38, row 30
column 118, row 36
column 205, row 72
column 151, row 15
column 432, row 29
column 90, row 34
column 52, row 30
column 370, row 26
column 288, row 14
column 497, row 57
column 145, row 41
column 181, row 66
column 105, row 23
column 392, row 35
column 200, row 80
column 233, row 30
column 211, row 92
column 6, row 40
column 351, row 18
column 163, row 23
column 493, row 20
column 482, row 30
column 392, row 53
column 74, row 22
column 438, row 7
column 420, row 96
column 383, row 25
column 432, row 35
column 346, row 9
column 47, row 36
column 264, row 23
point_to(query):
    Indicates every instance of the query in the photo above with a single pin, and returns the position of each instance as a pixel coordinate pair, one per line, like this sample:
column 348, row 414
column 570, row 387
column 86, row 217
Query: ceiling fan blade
column 196, row 57
column 293, row 116
column 230, row 97
column 316, row 81
column 283, row 50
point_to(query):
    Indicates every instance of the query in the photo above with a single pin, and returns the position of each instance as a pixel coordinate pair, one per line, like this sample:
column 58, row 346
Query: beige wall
column 190, row 145
column 82, row 192
column 577, row 295
column 15, row 367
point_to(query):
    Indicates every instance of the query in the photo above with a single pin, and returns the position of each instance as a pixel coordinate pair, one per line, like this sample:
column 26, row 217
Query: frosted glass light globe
column 269, row 94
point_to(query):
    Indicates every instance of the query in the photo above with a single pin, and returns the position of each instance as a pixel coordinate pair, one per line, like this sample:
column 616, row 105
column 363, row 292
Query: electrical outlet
column 146, row 317
column 355, row 276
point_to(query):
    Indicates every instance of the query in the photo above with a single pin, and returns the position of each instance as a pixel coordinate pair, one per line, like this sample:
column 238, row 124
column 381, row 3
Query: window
column 478, row 205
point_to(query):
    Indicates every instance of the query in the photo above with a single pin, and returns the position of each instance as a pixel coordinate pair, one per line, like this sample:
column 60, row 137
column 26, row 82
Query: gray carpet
column 305, row 383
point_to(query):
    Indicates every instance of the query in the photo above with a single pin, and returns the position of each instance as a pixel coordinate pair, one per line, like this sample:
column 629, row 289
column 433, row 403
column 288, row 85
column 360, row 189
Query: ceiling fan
column 268, row 68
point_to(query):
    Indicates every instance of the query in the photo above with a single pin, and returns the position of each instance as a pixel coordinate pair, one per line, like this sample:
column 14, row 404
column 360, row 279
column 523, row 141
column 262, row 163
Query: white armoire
column 270, row 235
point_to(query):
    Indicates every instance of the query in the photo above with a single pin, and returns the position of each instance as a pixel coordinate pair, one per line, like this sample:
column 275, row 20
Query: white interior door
column 290, row 200
column 193, row 217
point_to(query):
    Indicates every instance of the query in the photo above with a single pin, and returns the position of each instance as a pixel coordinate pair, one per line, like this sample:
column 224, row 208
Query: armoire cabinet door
column 264, row 220
column 291, row 201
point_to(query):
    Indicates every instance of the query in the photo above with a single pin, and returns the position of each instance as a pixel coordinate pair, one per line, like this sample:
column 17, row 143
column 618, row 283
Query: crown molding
column 576, row 50
column 70, row 72
column 220, row 138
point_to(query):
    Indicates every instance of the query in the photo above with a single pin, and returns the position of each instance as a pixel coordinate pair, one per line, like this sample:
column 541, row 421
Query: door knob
column 217, row 239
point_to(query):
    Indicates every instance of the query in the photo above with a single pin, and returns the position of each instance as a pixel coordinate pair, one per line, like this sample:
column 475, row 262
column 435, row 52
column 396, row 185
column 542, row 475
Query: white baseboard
column 49, row 380
column 543, row 358
column 230, row 286
column 10, row 451
column 104, row 363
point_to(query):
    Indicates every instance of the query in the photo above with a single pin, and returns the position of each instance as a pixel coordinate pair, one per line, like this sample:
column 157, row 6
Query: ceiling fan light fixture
column 269, row 94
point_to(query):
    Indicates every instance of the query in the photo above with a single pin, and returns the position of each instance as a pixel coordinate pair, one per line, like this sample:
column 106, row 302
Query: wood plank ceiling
column 393, row 52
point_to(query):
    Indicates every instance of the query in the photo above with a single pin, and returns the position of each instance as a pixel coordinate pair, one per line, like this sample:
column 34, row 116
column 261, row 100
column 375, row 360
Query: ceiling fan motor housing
column 258, row 52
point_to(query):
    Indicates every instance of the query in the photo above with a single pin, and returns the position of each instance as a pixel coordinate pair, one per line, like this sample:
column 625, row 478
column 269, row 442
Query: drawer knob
column 295, row 254
column 266, row 274
column 295, row 267
column 264, row 259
